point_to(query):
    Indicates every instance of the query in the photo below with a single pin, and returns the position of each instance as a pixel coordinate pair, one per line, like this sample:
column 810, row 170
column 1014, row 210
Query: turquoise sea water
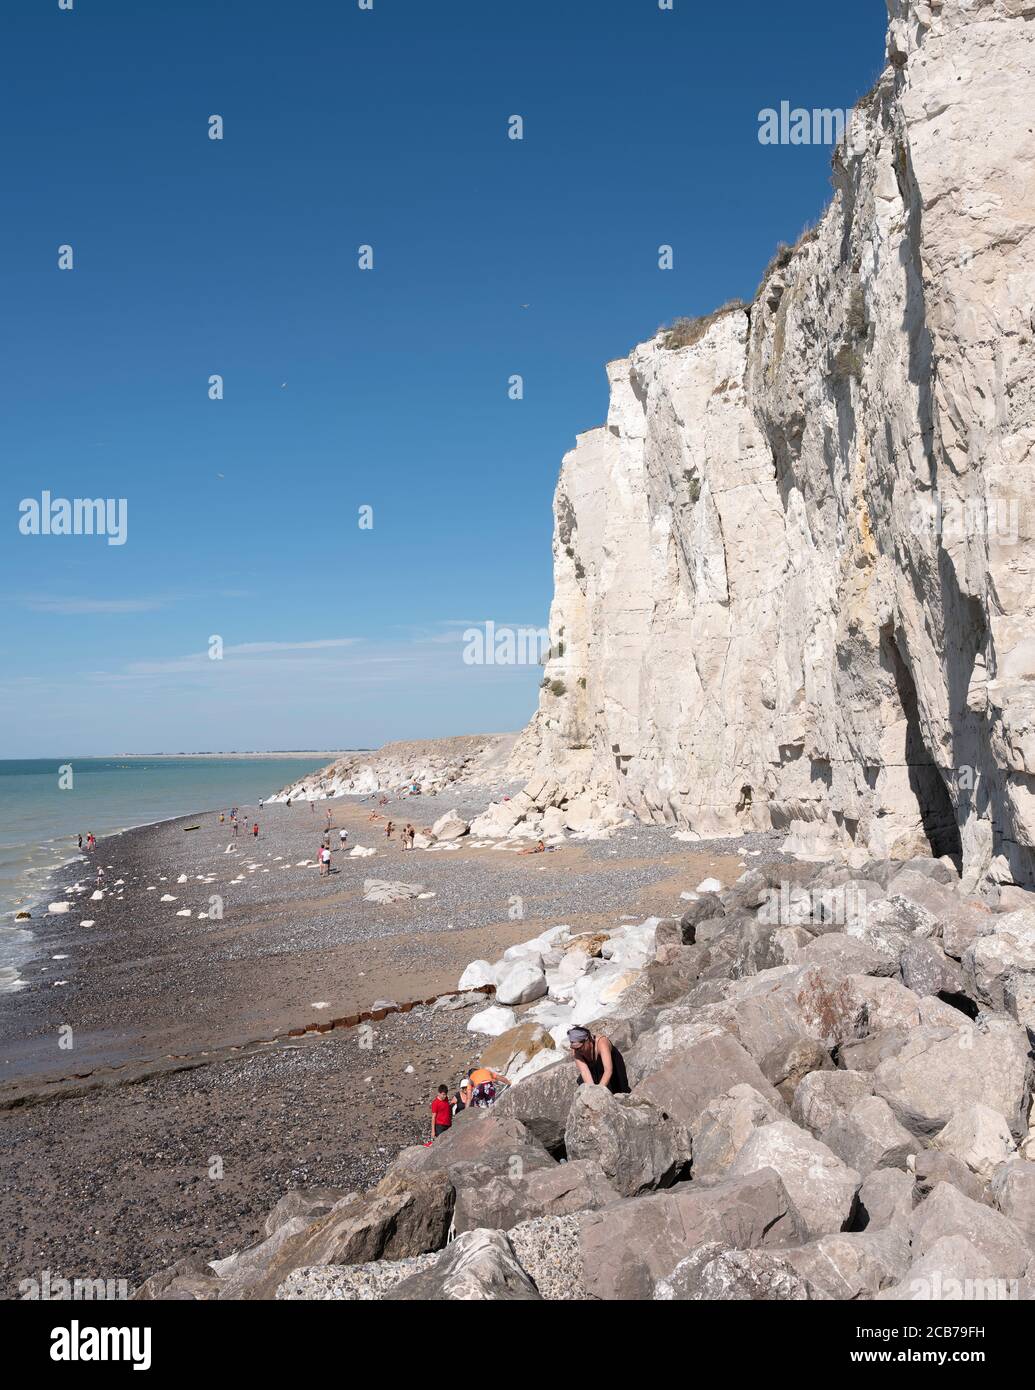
column 39, row 820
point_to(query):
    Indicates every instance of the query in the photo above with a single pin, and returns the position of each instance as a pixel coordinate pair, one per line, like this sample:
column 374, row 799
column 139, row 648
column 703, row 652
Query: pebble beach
column 159, row 1090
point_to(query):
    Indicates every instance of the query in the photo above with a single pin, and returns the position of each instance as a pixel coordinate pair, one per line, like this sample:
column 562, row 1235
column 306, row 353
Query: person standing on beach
column 80, row 841
column 343, row 836
column 388, row 829
column 325, row 861
column 441, row 1113
column 255, row 830
column 233, row 822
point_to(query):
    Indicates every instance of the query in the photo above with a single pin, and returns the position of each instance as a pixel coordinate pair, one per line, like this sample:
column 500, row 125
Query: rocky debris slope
column 831, row 1098
column 793, row 571
column 433, row 764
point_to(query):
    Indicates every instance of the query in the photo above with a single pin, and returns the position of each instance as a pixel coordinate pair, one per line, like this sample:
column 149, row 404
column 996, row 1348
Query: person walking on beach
column 343, row 836
column 388, row 829
column 441, row 1113
column 255, row 830
column 233, row 822
column 80, row 841
column 325, row 861
column 90, row 841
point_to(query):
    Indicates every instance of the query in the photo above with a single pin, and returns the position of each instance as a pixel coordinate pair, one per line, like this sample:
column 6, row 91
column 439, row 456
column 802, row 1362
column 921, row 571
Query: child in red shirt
column 441, row 1112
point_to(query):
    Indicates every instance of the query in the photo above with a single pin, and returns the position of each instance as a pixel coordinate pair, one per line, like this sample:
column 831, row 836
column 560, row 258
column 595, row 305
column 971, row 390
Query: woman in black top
column 599, row 1062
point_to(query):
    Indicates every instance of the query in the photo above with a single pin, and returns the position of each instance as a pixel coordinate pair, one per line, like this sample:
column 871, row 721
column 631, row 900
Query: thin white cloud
column 75, row 606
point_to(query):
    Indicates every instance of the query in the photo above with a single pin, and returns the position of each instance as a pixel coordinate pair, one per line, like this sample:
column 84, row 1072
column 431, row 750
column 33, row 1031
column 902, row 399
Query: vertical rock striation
column 794, row 569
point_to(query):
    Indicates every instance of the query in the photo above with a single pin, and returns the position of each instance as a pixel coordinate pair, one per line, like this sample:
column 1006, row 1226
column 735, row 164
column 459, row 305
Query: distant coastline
column 235, row 753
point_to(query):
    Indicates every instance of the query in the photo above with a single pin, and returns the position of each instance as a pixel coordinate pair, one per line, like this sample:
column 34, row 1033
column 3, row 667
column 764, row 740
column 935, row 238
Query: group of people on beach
column 91, row 843
column 597, row 1061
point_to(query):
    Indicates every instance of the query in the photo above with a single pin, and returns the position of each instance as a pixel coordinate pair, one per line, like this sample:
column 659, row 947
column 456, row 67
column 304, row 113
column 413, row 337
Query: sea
column 46, row 802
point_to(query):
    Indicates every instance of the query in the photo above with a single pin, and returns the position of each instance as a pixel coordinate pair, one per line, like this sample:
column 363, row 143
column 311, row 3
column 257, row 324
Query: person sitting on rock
column 483, row 1085
column 598, row 1060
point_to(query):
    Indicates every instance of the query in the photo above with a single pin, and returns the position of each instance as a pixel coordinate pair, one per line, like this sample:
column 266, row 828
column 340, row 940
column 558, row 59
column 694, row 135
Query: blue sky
column 345, row 127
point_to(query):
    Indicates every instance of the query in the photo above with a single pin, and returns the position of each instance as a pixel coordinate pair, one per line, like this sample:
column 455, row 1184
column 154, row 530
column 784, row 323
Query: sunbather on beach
column 538, row 848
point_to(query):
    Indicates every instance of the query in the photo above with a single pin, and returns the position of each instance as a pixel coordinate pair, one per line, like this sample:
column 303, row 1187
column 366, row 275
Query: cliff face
column 794, row 569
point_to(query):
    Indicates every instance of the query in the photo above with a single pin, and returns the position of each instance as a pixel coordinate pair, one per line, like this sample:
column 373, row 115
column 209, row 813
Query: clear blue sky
column 238, row 257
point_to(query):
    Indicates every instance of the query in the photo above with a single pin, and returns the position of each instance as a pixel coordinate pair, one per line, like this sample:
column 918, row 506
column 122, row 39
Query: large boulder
column 485, row 1137
column 478, row 1265
column 979, row 1137
column 959, row 920
column 637, row 1144
column 350, row 1283
column 822, row 1096
column 516, row 1047
column 822, row 1187
column 941, row 1070
column 723, row 1127
column 627, row 1248
column 493, row 1021
column 885, row 1199
column 813, row 1001
column 1008, row 943
column 951, row 1269
column 868, row 1136
column 1013, row 1191
column 947, row 1212
column 847, row 1266
column 541, row 1103
column 498, row 1201
column 451, row 826
column 519, row 982
column 406, row 1214
column 307, row 1202
column 714, row 1273
column 931, row 1166
column 926, row 969
column 186, row 1281
column 793, row 1060
column 702, row 907
column 549, row 1250
column 696, row 1071
column 476, row 975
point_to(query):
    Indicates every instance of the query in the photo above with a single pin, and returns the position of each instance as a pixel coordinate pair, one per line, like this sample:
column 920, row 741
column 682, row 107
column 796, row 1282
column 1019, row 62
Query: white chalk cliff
column 758, row 622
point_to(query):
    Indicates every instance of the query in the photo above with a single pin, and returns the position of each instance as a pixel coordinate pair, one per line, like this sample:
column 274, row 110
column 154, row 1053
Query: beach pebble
column 58, row 907
column 709, row 885
column 168, row 898
column 183, row 912
column 88, row 923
